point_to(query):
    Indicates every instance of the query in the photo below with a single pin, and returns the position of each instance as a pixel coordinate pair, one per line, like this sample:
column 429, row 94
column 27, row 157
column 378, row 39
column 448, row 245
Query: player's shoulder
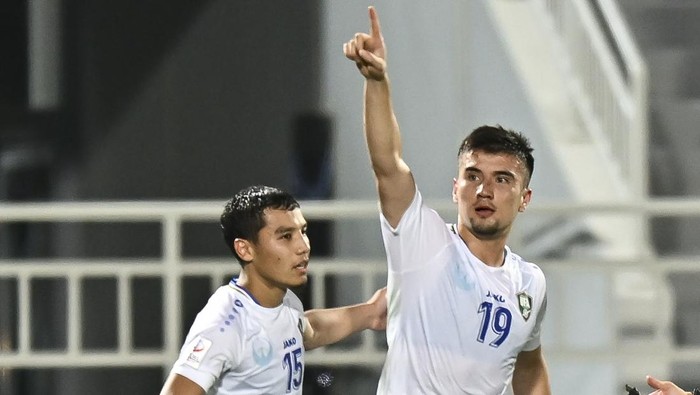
column 292, row 301
column 525, row 266
column 223, row 312
column 223, row 300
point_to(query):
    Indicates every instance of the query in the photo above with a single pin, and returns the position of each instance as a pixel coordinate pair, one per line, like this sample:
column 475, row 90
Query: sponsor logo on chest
column 290, row 342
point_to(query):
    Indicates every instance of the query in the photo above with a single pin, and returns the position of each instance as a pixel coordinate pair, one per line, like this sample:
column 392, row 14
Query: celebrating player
column 464, row 310
column 251, row 336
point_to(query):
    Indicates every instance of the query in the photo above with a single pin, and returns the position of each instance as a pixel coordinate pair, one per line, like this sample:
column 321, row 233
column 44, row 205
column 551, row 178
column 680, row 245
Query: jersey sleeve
column 210, row 349
column 534, row 340
column 419, row 236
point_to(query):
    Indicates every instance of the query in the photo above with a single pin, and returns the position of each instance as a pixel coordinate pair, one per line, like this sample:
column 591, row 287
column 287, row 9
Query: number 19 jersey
column 455, row 325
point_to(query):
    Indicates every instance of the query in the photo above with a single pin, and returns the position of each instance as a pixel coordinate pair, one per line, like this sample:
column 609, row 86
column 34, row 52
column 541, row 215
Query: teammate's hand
column 664, row 387
column 368, row 50
column 378, row 301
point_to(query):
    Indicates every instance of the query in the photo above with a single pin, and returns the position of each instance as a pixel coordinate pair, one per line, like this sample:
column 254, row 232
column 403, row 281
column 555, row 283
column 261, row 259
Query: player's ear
column 454, row 190
column 244, row 249
column 525, row 199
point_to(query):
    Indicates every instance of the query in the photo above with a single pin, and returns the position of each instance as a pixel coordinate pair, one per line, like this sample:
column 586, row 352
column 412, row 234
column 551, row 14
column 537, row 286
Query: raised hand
column 368, row 50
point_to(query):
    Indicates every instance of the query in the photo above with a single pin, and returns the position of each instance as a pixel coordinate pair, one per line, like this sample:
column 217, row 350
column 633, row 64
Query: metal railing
column 608, row 80
column 172, row 267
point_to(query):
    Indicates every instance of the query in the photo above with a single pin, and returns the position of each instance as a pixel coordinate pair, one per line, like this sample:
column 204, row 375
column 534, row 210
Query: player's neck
column 262, row 293
column 491, row 252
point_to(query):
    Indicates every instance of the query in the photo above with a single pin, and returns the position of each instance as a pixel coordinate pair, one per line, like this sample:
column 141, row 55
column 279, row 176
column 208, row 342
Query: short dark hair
column 495, row 140
column 243, row 215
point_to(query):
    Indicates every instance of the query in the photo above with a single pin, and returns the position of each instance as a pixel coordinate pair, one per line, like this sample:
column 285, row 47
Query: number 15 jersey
column 238, row 347
column 455, row 325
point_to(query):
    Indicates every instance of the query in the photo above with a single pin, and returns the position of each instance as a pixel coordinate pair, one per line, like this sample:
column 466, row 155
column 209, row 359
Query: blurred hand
column 664, row 387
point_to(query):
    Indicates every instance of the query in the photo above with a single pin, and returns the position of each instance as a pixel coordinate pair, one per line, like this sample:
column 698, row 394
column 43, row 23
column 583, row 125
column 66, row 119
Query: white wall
column 449, row 74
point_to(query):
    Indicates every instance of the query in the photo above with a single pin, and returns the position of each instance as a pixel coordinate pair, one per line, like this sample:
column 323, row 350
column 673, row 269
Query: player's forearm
column 381, row 128
column 394, row 180
column 332, row 325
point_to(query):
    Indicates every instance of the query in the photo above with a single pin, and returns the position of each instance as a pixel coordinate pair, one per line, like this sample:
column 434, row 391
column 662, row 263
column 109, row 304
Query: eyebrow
column 497, row 172
column 286, row 229
column 473, row 169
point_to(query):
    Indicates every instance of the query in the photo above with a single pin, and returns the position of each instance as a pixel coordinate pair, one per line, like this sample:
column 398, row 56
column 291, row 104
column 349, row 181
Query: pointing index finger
column 374, row 28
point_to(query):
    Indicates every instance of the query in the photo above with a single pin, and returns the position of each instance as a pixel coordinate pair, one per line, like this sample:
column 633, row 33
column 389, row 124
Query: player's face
column 490, row 190
column 282, row 250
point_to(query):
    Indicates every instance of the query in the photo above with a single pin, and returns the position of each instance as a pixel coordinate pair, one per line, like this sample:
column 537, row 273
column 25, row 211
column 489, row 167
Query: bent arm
column 180, row 385
column 328, row 326
column 530, row 376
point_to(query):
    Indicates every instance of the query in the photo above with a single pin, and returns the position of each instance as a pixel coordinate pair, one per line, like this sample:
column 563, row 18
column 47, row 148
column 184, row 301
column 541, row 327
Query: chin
column 486, row 232
column 299, row 283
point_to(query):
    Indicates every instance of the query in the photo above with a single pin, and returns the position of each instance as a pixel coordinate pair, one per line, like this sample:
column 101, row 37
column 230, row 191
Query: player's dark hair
column 243, row 215
column 497, row 140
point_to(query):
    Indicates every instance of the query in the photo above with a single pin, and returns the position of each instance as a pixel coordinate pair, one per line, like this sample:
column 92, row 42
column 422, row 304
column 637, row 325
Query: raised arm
column 328, row 326
column 394, row 180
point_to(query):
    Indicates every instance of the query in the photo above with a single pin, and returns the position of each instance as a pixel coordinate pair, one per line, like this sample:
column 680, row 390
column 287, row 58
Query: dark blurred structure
column 668, row 34
column 103, row 100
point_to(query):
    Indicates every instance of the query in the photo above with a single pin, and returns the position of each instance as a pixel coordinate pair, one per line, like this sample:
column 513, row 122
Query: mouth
column 484, row 211
column 302, row 267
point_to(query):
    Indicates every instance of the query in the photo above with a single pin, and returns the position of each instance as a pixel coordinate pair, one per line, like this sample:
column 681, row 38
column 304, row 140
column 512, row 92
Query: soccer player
column 464, row 310
column 251, row 336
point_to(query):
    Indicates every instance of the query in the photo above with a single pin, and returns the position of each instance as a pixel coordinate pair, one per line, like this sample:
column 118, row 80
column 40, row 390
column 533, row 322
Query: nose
column 305, row 246
column 484, row 190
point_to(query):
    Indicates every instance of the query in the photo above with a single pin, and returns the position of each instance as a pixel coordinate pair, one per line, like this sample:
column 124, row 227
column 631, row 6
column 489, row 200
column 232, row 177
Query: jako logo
column 290, row 342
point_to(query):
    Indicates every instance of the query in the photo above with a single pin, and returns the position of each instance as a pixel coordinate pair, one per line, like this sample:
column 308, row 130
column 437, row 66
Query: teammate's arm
column 327, row 326
column 180, row 385
column 530, row 376
column 394, row 180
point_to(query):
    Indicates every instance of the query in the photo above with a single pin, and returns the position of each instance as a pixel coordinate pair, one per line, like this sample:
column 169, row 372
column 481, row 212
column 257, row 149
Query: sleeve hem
column 202, row 379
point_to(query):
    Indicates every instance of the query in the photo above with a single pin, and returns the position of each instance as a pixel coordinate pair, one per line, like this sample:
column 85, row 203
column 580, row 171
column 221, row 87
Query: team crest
column 525, row 304
column 262, row 350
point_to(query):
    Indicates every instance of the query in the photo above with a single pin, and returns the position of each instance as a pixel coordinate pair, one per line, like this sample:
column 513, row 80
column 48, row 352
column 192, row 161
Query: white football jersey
column 235, row 346
column 455, row 325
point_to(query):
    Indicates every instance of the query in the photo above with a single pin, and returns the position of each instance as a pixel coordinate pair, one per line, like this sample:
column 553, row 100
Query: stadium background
column 184, row 103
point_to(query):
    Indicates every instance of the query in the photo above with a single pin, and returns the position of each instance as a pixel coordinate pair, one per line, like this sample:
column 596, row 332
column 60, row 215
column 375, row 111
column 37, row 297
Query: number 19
column 500, row 324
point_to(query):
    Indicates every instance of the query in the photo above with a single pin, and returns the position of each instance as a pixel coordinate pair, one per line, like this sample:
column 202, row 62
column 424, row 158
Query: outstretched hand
column 368, row 50
column 664, row 387
column 378, row 301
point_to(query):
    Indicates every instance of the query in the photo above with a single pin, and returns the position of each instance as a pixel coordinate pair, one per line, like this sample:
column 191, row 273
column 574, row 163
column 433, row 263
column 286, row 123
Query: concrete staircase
column 643, row 305
column 583, row 154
